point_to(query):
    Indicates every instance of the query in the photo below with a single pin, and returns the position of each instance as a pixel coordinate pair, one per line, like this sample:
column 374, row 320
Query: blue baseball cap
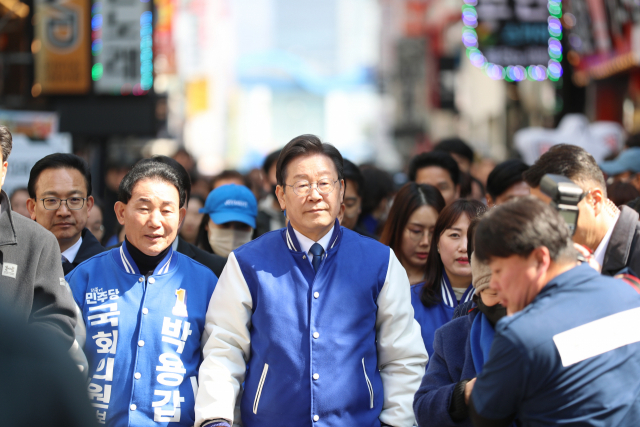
column 231, row 203
column 628, row 160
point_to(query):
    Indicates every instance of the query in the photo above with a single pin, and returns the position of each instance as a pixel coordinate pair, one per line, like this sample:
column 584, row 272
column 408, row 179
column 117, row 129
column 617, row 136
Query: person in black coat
column 40, row 385
column 214, row 262
column 610, row 233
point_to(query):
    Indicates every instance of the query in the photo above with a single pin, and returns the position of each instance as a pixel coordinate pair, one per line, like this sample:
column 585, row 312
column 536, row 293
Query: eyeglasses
column 303, row 188
column 418, row 235
column 54, row 203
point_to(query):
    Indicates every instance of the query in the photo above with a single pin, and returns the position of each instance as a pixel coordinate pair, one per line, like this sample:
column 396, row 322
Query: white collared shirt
column 71, row 252
column 602, row 247
column 306, row 243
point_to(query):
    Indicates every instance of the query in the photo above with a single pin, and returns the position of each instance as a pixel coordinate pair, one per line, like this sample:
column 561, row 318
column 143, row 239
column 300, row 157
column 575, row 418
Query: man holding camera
column 611, row 234
column 571, row 334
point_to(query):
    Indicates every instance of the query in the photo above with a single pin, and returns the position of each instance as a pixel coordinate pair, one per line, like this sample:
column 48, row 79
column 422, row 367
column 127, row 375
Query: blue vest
column 432, row 318
column 313, row 335
column 143, row 336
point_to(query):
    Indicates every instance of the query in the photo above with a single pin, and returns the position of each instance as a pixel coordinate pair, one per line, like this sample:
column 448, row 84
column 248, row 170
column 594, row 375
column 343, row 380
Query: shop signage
column 122, row 47
column 514, row 39
column 61, row 46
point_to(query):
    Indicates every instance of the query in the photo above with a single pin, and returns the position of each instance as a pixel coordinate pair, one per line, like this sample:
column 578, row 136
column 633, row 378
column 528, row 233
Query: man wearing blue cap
column 229, row 220
column 625, row 167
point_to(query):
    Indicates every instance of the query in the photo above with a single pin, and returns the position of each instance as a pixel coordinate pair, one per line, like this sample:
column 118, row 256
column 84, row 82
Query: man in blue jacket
column 144, row 307
column 314, row 319
column 569, row 353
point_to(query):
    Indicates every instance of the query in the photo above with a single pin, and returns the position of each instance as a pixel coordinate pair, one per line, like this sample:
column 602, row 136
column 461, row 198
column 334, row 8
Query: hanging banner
column 62, row 61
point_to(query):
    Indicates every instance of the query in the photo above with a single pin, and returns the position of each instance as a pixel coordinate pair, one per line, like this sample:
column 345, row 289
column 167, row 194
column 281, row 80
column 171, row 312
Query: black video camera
column 565, row 196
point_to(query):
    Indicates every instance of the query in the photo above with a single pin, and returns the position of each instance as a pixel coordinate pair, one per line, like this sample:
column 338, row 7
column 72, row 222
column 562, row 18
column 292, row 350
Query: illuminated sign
column 122, row 46
column 512, row 39
column 60, row 47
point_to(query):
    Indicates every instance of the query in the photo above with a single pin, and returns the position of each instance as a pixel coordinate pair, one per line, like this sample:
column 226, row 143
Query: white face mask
column 225, row 240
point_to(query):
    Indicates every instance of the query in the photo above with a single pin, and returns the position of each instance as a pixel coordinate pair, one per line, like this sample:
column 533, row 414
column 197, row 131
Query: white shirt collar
column 174, row 245
column 306, row 243
column 602, row 247
column 71, row 252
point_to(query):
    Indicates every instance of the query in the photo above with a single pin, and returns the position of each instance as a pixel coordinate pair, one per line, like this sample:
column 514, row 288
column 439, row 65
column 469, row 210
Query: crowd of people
column 316, row 292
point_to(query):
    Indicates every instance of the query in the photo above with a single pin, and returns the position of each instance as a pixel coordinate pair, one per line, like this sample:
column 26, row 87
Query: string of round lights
column 515, row 73
column 96, row 39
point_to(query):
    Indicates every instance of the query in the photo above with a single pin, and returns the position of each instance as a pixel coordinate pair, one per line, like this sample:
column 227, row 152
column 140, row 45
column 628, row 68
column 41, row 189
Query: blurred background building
column 228, row 81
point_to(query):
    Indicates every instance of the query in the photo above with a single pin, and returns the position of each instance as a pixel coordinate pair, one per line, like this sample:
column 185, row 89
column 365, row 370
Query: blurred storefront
column 87, row 67
column 481, row 71
column 232, row 80
column 604, row 48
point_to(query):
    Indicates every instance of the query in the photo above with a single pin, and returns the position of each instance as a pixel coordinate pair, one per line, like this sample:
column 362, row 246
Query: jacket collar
column 449, row 296
column 7, row 230
column 89, row 247
column 185, row 248
column 617, row 252
column 125, row 261
column 572, row 277
column 294, row 245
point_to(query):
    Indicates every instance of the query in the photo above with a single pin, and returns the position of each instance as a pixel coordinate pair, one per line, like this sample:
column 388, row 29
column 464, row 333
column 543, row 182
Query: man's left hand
column 468, row 388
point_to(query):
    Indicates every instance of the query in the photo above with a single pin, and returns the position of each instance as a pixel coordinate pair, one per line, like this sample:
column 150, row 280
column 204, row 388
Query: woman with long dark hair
column 410, row 225
column 460, row 349
column 448, row 272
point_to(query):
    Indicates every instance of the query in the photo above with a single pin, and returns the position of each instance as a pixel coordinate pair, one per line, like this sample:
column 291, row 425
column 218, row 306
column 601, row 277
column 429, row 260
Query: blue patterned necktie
column 317, row 251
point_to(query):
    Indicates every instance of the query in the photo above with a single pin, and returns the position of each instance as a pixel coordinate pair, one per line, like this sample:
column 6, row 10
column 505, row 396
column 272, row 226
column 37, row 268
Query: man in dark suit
column 60, row 200
column 215, row 262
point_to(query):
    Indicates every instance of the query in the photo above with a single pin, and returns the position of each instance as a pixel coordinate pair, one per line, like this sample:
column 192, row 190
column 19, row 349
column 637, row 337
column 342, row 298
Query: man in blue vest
column 314, row 319
column 144, row 307
column 569, row 353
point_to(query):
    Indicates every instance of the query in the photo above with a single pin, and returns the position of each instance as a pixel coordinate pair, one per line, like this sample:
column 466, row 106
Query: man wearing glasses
column 314, row 320
column 60, row 200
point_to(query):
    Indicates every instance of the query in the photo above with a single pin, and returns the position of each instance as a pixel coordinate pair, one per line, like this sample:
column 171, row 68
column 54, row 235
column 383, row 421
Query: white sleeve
column 402, row 356
column 228, row 348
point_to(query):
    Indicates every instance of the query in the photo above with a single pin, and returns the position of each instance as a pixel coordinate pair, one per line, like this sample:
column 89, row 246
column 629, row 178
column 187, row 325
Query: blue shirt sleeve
column 499, row 388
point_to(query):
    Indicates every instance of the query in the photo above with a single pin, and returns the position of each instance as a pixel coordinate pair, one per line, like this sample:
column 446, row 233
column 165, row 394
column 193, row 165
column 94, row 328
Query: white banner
column 35, row 135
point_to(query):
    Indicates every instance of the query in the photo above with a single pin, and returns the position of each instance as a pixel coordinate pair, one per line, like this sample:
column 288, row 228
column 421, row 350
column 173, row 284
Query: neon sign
column 122, row 47
column 520, row 41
